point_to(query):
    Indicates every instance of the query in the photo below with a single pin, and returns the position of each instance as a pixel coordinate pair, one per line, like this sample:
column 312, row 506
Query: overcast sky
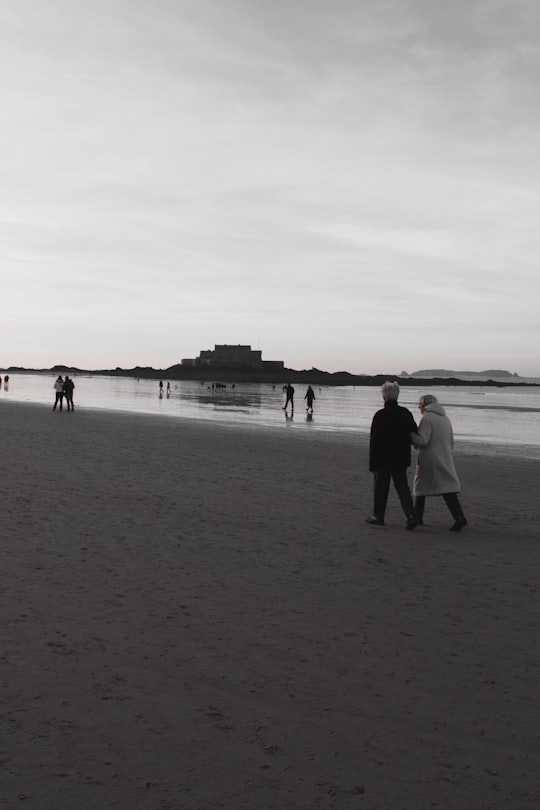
column 346, row 184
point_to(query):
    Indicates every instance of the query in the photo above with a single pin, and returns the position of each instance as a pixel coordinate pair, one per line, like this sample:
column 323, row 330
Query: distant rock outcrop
column 442, row 372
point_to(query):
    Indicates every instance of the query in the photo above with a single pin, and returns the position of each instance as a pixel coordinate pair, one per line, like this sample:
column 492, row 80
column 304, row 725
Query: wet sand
column 198, row 616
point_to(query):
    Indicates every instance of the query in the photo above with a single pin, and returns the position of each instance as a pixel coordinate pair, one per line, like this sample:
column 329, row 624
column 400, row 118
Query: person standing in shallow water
column 310, row 398
column 289, row 398
column 435, row 470
column 58, row 392
column 390, row 455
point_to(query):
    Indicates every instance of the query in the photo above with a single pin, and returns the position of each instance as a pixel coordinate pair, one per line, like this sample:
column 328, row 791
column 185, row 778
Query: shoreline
column 465, row 446
column 197, row 615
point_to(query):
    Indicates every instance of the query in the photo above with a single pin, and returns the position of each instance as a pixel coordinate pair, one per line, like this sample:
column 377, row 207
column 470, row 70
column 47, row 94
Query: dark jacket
column 390, row 439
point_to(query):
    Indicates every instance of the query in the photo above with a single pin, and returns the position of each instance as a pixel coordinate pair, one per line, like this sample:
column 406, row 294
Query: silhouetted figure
column 58, row 392
column 435, row 470
column 69, row 387
column 390, row 455
column 289, row 390
column 6, row 382
column 310, row 399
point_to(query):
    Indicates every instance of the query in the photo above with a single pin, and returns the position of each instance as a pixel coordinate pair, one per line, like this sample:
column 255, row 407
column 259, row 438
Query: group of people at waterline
column 393, row 432
column 289, row 398
column 63, row 389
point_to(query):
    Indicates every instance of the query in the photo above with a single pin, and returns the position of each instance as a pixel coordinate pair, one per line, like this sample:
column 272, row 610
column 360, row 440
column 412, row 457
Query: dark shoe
column 459, row 525
column 412, row 523
column 419, row 522
column 374, row 521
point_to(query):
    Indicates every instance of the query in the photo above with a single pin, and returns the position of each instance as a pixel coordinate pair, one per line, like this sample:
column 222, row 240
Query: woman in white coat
column 435, row 471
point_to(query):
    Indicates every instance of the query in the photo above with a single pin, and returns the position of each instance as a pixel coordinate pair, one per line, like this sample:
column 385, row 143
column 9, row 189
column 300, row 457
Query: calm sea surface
column 500, row 420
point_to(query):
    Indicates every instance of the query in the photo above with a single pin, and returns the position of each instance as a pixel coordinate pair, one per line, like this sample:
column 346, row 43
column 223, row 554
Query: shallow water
column 494, row 419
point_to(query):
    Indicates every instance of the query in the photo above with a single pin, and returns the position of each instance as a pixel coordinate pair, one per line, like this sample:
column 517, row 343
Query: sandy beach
column 197, row 616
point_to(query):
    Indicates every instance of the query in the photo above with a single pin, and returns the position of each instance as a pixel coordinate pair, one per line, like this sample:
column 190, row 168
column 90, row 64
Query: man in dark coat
column 390, row 455
column 289, row 390
column 69, row 387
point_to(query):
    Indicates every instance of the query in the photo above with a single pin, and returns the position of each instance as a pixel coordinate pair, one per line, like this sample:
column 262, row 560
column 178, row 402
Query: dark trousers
column 59, row 398
column 381, row 488
column 451, row 500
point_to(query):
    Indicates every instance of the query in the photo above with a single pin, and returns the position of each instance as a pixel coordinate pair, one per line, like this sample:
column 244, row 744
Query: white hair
column 390, row 390
column 428, row 399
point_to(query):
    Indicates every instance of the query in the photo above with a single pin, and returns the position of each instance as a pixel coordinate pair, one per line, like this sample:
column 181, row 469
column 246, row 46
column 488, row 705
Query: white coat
column 435, row 472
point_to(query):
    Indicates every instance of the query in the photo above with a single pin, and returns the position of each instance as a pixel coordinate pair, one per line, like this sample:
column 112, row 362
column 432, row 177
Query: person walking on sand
column 435, row 472
column 69, row 387
column 390, row 455
column 59, row 392
column 310, row 399
column 289, row 390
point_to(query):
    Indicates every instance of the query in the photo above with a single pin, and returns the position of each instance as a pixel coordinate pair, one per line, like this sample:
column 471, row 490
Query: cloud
column 198, row 172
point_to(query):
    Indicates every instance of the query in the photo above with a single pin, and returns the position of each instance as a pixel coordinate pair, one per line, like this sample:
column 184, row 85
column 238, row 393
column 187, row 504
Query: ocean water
column 490, row 419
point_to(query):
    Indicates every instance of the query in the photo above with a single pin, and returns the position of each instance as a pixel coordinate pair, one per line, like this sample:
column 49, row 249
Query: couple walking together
column 393, row 430
column 63, row 388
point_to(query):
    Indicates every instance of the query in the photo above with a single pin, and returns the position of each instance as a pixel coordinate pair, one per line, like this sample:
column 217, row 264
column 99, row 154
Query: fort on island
column 233, row 357
column 241, row 363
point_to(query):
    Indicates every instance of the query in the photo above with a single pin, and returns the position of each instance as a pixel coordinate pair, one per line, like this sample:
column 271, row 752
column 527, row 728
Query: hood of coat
column 435, row 407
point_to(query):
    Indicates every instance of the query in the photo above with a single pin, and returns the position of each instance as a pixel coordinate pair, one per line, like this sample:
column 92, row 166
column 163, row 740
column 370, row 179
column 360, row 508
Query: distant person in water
column 310, row 398
column 6, row 382
column 69, row 387
column 289, row 390
column 435, row 470
column 390, row 455
column 58, row 392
